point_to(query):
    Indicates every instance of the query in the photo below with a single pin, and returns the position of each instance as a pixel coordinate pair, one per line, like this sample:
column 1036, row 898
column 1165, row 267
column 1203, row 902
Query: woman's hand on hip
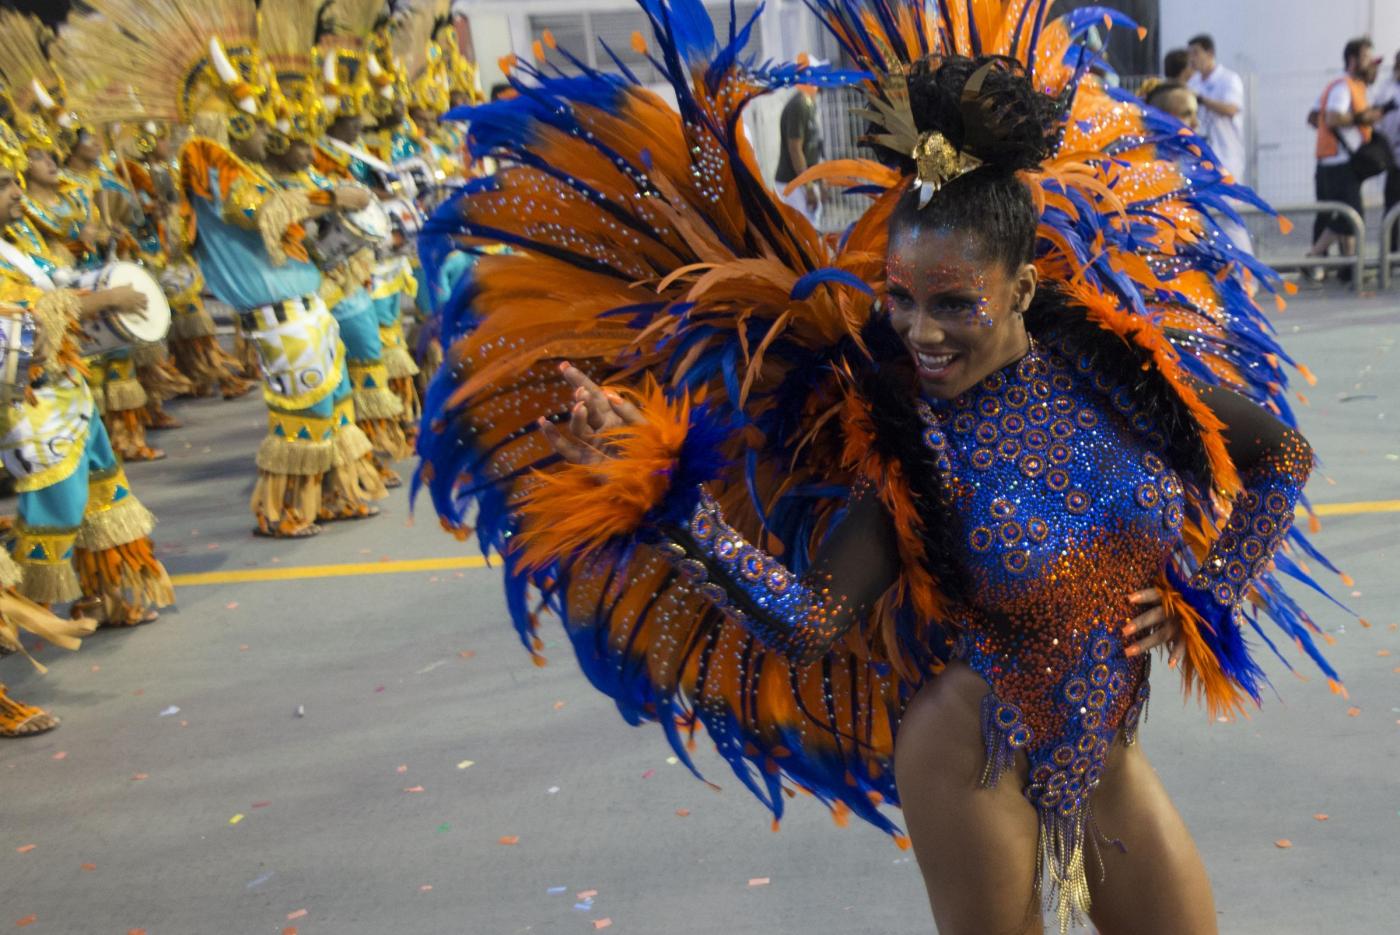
column 1153, row 627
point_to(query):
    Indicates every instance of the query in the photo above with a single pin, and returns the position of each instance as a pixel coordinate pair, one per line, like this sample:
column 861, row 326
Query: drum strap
column 18, row 258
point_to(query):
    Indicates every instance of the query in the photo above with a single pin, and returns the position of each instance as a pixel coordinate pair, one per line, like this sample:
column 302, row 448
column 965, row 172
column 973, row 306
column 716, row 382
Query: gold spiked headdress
column 37, row 92
column 422, row 59
column 12, row 154
column 937, row 162
column 173, row 61
column 350, row 75
column 287, row 33
column 461, row 73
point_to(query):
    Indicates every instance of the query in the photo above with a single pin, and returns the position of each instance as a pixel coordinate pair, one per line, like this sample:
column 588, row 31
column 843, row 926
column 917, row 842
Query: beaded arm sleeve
column 798, row 616
column 1274, row 463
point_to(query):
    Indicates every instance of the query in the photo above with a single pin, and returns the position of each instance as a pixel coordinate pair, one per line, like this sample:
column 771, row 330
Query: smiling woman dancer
column 915, row 550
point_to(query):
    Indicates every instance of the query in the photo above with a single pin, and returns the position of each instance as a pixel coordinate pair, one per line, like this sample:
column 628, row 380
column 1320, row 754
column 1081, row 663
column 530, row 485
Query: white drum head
column 155, row 323
column 370, row 222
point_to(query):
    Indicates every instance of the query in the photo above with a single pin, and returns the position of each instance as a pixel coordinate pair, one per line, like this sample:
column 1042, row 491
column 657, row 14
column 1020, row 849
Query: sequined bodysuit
column 1066, row 506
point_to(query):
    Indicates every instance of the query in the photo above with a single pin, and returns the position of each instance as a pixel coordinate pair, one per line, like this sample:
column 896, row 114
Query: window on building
column 583, row 34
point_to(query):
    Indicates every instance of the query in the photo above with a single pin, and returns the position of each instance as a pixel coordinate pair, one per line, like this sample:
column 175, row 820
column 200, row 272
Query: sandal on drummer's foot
column 22, row 720
column 364, row 511
column 138, row 618
column 164, row 421
column 89, row 607
column 302, row 532
column 392, row 481
column 235, row 390
column 142, row 454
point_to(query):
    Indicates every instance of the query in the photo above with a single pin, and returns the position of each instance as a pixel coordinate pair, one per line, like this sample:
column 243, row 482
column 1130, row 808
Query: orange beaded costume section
column 645, row 248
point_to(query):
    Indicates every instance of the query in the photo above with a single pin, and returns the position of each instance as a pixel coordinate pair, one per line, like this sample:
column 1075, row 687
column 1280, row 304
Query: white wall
column 1291, row 48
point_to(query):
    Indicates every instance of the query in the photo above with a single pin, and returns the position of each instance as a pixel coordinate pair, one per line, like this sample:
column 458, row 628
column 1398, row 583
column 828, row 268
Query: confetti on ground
column 301, row 710
column 1353, row 711
column 648, row 774
column 61, row 755
column 586, row 894
column 94, row 668
column 378, row 689
column 553, row 790
column 243, row 647
column 556, row 890
column 299, row 914
column 585, row 906
column 1321, row 816
column 290, row 930
column 559, row 706
column 231, row 605
column 683, row 812
column 27, row 920
column 170, row 711
column 425, row 888
column 401, row 769
column 1382, row 653
column 468, row 654
column 760, row 881
column 140, row 776
column 444, row 827
column 135, row 932
column 236, row 819
column 414, row 789
column 602, row 923
column 1283, row 844
column 26, row 848
column 509, row 839
column 465, row 764
column 259, row 881
column 89, row 867
column 671, row 761
column 260, row 805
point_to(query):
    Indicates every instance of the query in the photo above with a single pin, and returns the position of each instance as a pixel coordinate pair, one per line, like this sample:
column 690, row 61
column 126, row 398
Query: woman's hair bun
column 986, row 107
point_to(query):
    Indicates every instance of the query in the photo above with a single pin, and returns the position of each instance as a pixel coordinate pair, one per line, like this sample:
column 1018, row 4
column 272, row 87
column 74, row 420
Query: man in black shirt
column 800, row 148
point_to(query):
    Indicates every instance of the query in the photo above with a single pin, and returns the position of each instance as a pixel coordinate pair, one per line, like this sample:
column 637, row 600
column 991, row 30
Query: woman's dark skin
column 960, row 315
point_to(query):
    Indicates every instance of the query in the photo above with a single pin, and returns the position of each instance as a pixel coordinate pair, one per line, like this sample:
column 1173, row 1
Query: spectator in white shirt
column 1387, row 98
column 1220, row 93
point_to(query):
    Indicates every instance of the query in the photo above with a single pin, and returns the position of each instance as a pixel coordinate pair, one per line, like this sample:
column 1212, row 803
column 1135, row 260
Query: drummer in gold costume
column 192, row 340
column 82, row 535
column 182, row 62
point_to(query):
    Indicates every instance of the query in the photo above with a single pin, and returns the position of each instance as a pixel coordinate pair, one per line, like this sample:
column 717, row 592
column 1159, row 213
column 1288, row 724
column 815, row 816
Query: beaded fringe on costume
column 1068, row 835
column 115, row 558
column 287, row 495
column 378, row 411
column 162, row 381
column 403, row 378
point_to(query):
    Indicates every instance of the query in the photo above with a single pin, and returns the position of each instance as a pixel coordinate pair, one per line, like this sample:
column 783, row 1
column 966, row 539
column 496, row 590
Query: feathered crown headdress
column 175, row 61
column 422, row 59
column 287, row 34
column 350, row 74
column 38, row 92
column 462, row 74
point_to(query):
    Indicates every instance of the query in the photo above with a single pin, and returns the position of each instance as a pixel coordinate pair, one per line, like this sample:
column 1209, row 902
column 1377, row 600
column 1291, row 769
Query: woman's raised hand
column 595, row 410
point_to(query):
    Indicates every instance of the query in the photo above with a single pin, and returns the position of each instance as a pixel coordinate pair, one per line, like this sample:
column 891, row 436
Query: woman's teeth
column 934, row 361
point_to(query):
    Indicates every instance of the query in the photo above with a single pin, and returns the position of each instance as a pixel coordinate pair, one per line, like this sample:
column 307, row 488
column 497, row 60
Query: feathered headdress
column 37, row 91
column 422, row 59
column 287, row 34
column 462, row 77
column 351, row 76
column 174, row 61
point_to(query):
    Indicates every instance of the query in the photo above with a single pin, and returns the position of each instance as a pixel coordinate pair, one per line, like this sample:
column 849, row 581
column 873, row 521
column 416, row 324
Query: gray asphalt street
column 373, row 752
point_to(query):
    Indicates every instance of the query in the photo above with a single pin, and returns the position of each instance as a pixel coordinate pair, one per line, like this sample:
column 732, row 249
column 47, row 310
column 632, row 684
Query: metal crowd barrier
column 1390, row 244
column 1358, row 224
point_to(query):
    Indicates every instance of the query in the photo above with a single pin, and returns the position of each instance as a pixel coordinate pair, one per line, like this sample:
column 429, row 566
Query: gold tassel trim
column 278, row 212
column 286, row 503
column 127, row 579
column 406, row 389
column 56, row 315
column 386, row 436
column 125, row 393
column 376, row 402
column 10, row 573
column 207, row 364
column 285, row 457
column 50, row 583
column 195, row 323
column 399, row 362
column 147, row 355
column 351, row 444
column 115, row 524
column 355, row 481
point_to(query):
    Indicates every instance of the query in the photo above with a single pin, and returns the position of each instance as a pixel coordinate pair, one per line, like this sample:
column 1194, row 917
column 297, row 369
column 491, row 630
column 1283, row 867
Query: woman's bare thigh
column 976, row 847
column 1156, row 884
